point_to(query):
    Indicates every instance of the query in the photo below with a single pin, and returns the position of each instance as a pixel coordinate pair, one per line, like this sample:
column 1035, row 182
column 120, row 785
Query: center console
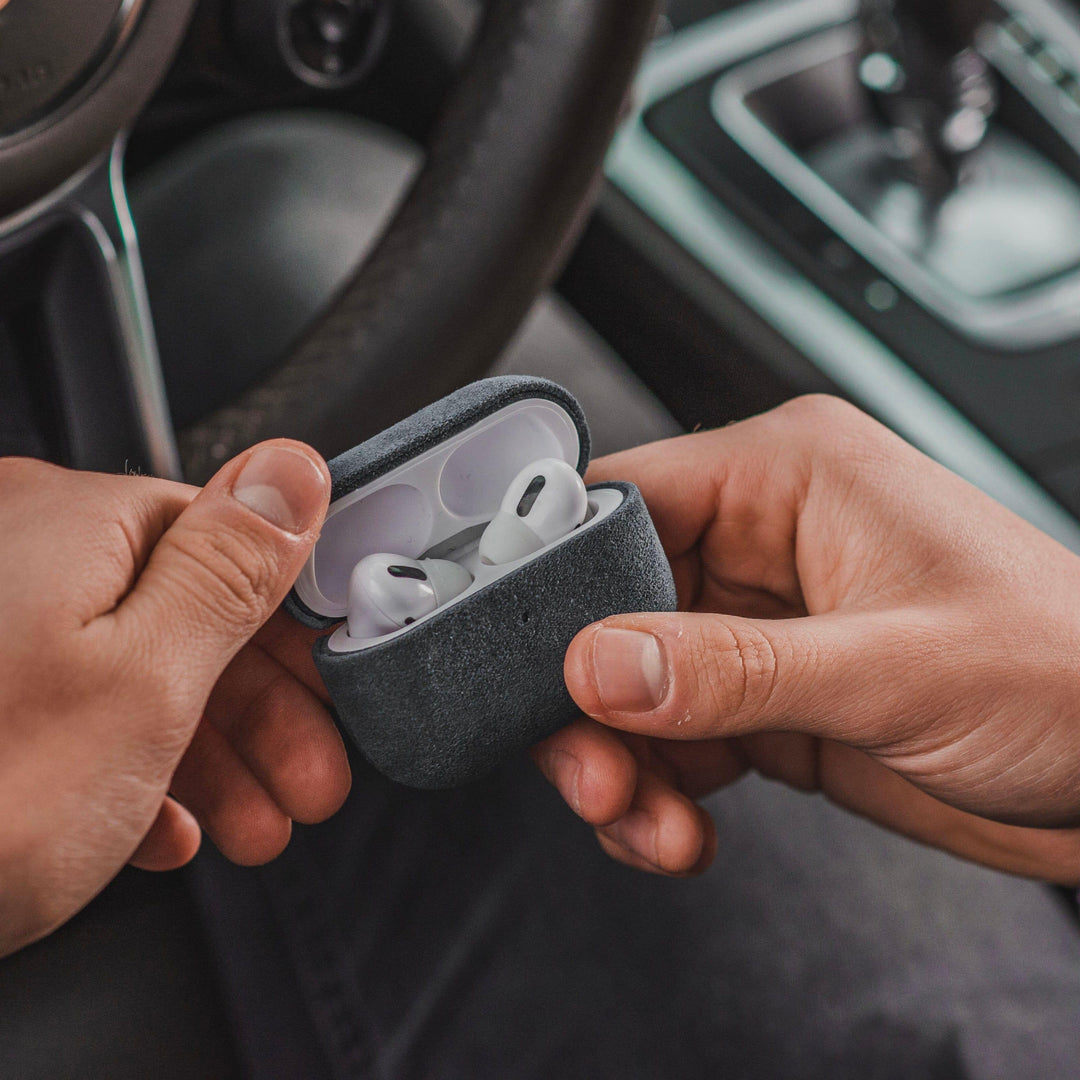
column 902, row 208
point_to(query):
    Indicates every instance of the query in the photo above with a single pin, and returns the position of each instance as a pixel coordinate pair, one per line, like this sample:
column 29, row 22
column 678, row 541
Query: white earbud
column 388, row 592
column 546, row 502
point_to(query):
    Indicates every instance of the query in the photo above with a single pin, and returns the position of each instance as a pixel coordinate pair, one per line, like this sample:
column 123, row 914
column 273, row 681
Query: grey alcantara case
column 446, row 700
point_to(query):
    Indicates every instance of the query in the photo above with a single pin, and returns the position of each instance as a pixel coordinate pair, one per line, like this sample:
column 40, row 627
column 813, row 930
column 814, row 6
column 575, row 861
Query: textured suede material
column 428, row 428
column 462, row 692
column 470, row 688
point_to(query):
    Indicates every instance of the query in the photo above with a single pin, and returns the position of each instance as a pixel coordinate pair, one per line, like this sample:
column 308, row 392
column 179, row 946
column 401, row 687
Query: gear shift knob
column 928, row 82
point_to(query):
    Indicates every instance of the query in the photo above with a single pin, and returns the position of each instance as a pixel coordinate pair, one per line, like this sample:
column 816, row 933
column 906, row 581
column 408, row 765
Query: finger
column 283, row 734
column 291, row 644
column 232, row 806
column 698, row 768
column 227, row 562
column 859, row 783
column 741, row 489
column 592, row 769
column 769, row 498
column 628, row 858
column 172, row 842
column 663, row 828
column 695, row 676
column 680, row 479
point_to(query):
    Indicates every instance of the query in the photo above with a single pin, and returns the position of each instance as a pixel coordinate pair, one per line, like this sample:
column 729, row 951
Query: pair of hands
column 888, row 635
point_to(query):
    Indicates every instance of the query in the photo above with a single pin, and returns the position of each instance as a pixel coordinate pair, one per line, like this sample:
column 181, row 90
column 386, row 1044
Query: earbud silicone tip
column 546, row 501
column 507, row 539
column 388, row 592
column 449, row 579
column 366, row 623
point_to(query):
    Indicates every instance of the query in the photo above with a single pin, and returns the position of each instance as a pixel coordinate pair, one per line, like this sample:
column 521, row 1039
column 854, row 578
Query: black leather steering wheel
column 508, row 173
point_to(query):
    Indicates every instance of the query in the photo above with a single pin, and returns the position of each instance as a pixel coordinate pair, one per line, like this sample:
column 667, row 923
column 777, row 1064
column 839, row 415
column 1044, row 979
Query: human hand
column 857, row 620
column 136, row 659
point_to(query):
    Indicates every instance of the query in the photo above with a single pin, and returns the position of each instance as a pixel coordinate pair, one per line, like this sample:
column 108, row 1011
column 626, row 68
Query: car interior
column 229, row 220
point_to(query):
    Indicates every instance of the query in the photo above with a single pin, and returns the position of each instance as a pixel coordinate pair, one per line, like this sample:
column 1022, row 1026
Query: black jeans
column 482, row 933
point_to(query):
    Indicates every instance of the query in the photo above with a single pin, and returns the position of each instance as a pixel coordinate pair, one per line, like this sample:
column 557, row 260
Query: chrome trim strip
column 822, row 331
column 56, row 198
column 117, row 242
column 127, row 285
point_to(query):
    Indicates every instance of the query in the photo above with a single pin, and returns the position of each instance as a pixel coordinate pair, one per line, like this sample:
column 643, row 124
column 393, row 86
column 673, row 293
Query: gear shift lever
column 886, row 128
column 928, row 82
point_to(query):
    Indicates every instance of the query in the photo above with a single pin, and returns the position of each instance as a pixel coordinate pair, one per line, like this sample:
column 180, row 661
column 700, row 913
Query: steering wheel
column 508, row 172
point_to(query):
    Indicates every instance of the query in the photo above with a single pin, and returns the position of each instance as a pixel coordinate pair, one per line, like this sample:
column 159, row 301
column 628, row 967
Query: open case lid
column 434, row 478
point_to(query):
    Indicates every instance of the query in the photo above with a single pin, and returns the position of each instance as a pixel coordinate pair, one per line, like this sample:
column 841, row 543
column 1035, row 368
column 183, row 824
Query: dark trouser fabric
column 482, row 933
column 124, row 991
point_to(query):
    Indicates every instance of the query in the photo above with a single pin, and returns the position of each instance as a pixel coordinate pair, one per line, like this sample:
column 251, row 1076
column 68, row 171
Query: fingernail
column 630, row 670
column 282, row 485
column 564, row 771
column 637, row 832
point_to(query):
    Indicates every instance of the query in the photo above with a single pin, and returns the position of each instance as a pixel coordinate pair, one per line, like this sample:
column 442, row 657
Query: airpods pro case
column 445, row 700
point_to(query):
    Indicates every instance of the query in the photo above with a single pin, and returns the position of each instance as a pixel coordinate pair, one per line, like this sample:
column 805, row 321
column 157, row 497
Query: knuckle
column 235, row 567
column 848, row 428
column 838, row 437
column 737, row 671
column 17, row 469
column 26, row 478
column 818, row 411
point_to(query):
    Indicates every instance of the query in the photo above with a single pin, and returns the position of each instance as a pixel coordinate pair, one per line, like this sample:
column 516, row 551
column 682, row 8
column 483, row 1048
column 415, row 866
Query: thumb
column 228, row 560
column 703, row 676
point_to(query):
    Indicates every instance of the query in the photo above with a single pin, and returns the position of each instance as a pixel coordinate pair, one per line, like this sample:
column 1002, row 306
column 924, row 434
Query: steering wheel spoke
column 80, row 380
column 510, row 167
